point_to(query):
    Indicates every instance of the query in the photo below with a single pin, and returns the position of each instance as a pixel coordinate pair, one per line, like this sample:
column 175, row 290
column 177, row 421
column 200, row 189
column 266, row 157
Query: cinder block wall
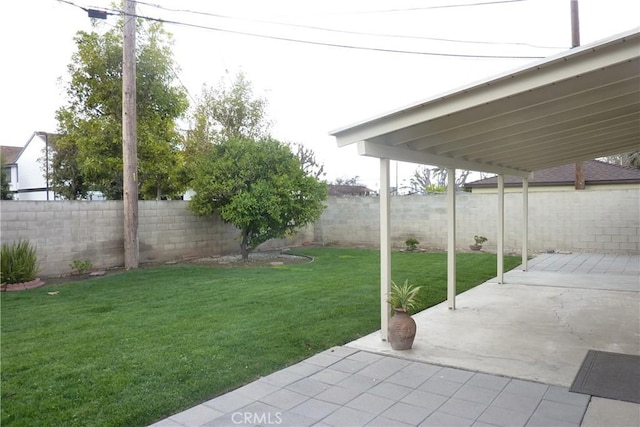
column 64, row 231
column 584, row 221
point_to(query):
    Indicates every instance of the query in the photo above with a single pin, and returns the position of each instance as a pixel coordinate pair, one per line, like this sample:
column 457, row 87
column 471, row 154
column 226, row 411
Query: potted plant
column 479, row 241
column 402, row 327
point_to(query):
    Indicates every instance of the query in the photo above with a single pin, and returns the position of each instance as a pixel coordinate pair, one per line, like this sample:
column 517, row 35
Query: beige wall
column 63, row 231
column 585, row 221
column 581, row 221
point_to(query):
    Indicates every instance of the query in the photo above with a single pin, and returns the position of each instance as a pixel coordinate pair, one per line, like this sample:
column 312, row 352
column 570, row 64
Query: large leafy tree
column 90, row 125
column 67, row 181
column 258, row 186
column 224, row 112
column 237, row 170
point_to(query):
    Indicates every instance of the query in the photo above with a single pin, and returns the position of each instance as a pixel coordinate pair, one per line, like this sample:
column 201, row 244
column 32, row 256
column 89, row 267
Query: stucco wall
column 30, row 172
column 581, row 221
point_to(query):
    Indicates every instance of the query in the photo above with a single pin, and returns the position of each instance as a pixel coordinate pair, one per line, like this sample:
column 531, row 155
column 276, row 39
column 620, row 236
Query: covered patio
column 538, row 321
column 575, row 106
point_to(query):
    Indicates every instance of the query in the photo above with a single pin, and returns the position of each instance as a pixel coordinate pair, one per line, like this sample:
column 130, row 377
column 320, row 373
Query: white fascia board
column 569, row 64
column 370, row 149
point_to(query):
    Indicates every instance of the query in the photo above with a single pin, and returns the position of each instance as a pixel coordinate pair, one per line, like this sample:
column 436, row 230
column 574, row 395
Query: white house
column 26, row 168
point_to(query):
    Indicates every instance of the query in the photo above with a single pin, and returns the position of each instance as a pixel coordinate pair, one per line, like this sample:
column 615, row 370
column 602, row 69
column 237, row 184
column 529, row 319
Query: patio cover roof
column 578, row 105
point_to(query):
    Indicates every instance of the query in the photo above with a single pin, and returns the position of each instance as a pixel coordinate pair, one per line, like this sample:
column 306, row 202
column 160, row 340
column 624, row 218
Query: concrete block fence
column 64, row 231
column 578, row 221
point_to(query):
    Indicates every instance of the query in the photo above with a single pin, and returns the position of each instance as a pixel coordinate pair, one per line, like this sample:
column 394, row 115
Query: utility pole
column 575, row 42
column 129, row 138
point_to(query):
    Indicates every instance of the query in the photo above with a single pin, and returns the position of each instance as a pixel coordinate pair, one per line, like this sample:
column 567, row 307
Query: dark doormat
column 609, row 375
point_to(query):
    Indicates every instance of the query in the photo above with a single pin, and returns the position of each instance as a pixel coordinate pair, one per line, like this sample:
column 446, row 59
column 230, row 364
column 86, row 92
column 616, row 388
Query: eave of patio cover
column 578, row 105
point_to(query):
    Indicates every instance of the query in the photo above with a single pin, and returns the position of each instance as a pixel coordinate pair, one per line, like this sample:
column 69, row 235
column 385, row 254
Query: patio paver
column 442, row 396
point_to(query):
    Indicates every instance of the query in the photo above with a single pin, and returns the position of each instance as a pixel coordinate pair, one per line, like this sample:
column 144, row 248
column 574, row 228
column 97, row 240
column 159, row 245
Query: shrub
column 412, row 244
column 81, row 266
column 19, row 262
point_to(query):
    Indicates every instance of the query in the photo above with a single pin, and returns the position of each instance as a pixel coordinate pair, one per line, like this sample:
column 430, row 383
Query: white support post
column 525, row 223
column 385, row 246
column 451, row 239
column 500, row 251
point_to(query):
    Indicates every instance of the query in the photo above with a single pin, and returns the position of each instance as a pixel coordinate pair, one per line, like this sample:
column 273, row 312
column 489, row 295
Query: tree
column 427, row 180
column 420, row 180
column 258, row 186
column 222, row 113
column 308, row 162
column 65, row 175
column 347, row 181
column 90, row 126
column 627, row 159
column 5, row 188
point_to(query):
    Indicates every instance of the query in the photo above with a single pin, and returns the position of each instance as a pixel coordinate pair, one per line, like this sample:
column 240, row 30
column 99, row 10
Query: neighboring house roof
column 595, row 171
column 349, row 190
column 9, row 153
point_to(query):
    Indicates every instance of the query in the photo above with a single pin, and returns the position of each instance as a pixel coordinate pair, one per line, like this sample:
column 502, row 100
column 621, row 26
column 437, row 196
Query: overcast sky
column 311, row 88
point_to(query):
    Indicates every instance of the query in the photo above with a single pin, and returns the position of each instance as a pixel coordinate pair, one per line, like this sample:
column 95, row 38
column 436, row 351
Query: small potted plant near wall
column 402, row 327
column 479, row 241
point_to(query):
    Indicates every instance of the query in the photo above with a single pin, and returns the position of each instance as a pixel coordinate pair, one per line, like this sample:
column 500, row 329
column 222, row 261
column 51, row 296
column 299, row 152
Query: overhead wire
column 412, row 9
column 310, row 42
column 334, row 30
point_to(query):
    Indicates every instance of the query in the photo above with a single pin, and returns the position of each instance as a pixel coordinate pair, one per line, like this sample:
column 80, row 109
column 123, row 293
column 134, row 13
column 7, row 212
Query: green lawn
column 131, row 348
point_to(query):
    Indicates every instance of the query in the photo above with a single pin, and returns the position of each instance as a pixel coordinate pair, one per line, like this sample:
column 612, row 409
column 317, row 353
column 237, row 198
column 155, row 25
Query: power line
column 413, row 9
column 333, row 30
column 316, row 43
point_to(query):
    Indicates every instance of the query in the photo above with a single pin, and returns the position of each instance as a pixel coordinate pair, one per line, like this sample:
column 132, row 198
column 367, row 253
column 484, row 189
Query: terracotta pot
column 402, row 330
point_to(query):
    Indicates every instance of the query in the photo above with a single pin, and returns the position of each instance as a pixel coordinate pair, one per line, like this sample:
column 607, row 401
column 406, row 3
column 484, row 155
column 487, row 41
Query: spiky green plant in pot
column 402, row 327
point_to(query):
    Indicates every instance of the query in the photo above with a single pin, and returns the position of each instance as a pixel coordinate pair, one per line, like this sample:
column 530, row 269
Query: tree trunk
column 579, row 183
column 244, row 245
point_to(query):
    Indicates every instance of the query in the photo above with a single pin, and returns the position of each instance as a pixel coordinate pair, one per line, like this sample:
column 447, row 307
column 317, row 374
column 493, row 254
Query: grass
column 132, row 348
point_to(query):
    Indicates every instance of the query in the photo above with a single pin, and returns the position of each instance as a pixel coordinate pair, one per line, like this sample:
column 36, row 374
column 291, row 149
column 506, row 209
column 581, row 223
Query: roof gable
column 9, row 153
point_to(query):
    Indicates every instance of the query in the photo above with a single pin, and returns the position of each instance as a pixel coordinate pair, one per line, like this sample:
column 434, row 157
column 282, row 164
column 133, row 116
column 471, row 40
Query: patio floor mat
column 609, row 375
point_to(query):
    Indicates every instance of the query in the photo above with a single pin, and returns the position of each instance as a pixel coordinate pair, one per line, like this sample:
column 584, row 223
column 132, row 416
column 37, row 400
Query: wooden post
column 580, row 176
column 129, row 138
column 575, row 42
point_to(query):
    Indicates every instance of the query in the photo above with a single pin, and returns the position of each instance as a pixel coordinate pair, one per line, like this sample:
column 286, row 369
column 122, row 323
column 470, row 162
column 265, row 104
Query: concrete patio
column 538, row 325
column 505, row 357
